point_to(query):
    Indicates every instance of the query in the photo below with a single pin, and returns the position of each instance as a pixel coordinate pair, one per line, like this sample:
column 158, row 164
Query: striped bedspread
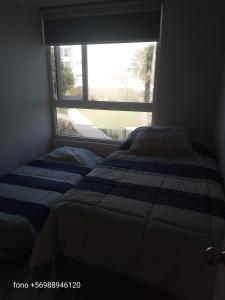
column 148, row 217
column 26, row 196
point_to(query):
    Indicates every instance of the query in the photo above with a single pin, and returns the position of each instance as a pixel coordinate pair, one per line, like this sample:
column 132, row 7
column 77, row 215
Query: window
column 99, row 124
column 102, row 91
column 71, row 71
column 121, row 72
column 103, row 60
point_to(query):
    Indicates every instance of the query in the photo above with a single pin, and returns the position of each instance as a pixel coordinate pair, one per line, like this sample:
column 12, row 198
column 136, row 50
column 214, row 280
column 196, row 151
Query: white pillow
column 154, row 129
column 81, row 156
column 165, row 143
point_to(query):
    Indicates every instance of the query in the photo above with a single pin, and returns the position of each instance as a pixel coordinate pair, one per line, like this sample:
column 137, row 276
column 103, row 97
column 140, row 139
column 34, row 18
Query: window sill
column 100, row 147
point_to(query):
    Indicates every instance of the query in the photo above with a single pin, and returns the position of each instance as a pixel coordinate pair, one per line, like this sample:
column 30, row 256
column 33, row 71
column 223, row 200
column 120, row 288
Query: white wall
column 25, row 129
column 190, row 66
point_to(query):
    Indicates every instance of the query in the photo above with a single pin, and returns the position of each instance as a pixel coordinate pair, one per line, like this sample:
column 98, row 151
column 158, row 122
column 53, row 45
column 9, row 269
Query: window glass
column 121, row 72
column 116, row 72
column 53, row 71
column 100, row 124
column 71, row 70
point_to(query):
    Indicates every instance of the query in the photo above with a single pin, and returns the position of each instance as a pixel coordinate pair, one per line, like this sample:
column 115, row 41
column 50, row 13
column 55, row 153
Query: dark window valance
column 124, row 27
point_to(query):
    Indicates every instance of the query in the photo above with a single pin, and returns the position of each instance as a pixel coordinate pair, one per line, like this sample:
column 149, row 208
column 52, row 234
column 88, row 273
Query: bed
column 149, row 217
column 28, row 194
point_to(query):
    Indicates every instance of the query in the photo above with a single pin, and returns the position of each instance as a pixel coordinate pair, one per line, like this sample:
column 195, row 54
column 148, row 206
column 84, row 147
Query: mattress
column 145, row 216
column 26, row 197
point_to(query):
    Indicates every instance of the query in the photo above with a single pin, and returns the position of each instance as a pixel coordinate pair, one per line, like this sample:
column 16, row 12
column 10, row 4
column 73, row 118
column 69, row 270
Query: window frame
column 85, row 103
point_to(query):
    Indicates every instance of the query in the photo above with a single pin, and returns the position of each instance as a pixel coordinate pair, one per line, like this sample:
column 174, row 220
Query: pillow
column 150, row 129
column 169, row 143
column 81, row 156
column 129, row 140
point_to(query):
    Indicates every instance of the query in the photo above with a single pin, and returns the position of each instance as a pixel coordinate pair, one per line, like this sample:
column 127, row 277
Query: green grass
column 113, row 123
column 115, row 119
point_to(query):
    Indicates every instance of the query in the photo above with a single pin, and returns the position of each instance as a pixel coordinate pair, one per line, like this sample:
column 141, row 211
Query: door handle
column 214, row 256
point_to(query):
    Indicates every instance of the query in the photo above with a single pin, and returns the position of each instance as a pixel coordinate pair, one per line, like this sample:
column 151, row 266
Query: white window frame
column 84, row 102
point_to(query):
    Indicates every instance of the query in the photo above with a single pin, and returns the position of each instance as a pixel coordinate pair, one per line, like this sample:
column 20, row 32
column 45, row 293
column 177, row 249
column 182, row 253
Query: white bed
column 145, row 216
column 28, row 194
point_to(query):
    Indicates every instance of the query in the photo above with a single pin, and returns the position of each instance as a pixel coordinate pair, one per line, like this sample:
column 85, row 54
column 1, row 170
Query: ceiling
column 53, row 3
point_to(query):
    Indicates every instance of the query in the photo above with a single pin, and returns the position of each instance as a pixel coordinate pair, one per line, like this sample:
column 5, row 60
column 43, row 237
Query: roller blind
column 109, row 28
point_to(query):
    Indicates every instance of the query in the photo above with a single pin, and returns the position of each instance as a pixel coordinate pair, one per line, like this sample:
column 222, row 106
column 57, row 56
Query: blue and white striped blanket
column 26, row 196
column 145, row 216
